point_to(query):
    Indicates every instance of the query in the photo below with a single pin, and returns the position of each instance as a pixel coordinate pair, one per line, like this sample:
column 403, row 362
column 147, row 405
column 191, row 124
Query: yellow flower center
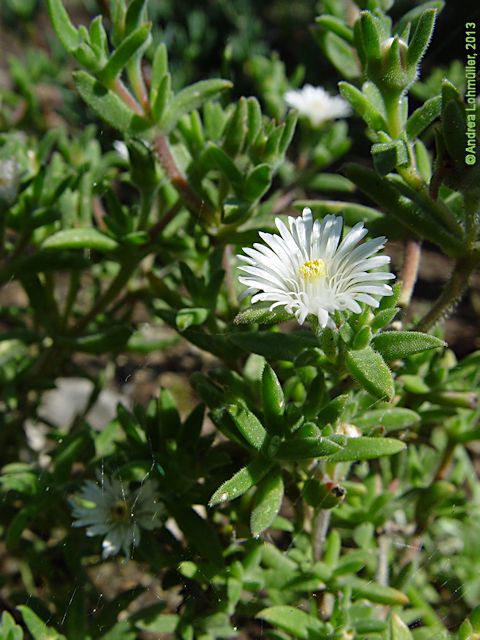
column 120, row 511
column 313, row 270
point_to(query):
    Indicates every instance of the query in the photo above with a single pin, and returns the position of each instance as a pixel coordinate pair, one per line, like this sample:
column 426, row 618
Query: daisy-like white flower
column 108, row 508
column 121, row 148
column 317, row 104
column 307, row 270
column 9, row 180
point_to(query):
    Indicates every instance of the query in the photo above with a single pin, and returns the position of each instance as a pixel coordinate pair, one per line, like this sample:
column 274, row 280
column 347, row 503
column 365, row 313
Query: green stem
column 167, row 217
column 437, row 207
column 73, row 287
column 146, row 201
column 445, row 462
column 392, row 108
column 452, row 293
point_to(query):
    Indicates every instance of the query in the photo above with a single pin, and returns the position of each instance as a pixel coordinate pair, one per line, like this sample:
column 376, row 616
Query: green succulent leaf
column 9, row 629
column 393, row 345
column 85, row 238
column 371, row 36
column 249, row 425
column 364, row 448
column 257, row 182
column 376, row 592
column 242, row 481
column 398, row 629
column 124, row 53
column 191, row 98
column 37, row 627
column 421, row 36
column 293, row 621
column 66, row 32
column 107, row 104
column 268, row 501
column 337, row 26
column 111, row 339
column 191, row 317
column 262, row 315
column 423, row 117
column 370, row 371
column 391, row 419
column 363, row 106
column 273, row 399
column 306, row 447
column 389, row 155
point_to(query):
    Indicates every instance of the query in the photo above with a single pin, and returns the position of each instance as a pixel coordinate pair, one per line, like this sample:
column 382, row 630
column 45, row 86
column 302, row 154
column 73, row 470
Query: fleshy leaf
column 367, row 449
column 268, row 501
column 66, row 32
column 262, row 315
column 191, row 98
column 242, row 481
column 125, row 52
column 304, row 448
column 107, row 104
column 391, row 419
column 249, row 425
column 378, row 593
column 293, row 621
column 362, row 105
column 398, row 629
column 370, row 371
column 423, row 117
column 81, row 239
column 393, row 345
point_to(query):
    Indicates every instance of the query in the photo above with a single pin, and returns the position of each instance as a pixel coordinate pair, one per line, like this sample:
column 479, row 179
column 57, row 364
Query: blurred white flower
column 317, row 104
column 108, row 508
column 9, row 180
column 307, row 270
column 122, row 149
column 348, row 430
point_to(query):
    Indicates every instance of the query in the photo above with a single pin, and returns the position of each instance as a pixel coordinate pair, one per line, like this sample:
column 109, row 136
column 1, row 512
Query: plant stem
column 125, row 95
column 445, row 461
column 452, row 293
column 392, row 107
column 146, row 201
column 320, row 524
column 178, row 180
column 73, row 288
column 435, row 207
column 164, row 220
column 134, row 70
column 411, row 262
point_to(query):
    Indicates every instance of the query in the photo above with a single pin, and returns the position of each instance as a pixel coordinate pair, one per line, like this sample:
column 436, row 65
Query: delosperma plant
column 315, row 474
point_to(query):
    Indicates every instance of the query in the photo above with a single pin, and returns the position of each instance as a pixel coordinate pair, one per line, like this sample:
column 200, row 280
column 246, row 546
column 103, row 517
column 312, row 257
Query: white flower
column 9, row 180
column 348, row 430
column 121, row 148
column 317, row 105
column 108, row 508
column 307, row 270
